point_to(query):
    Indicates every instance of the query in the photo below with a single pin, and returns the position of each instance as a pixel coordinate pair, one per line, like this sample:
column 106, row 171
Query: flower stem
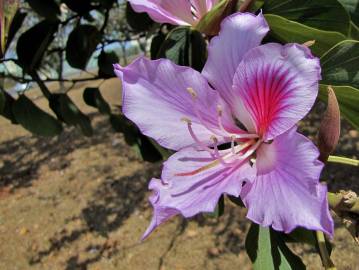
column 343, row 160
column 327, row 262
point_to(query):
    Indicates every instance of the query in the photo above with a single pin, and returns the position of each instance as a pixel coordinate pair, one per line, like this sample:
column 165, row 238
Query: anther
column 192, row 92
column 219, row 110
column 309, row 43
column 186, row 120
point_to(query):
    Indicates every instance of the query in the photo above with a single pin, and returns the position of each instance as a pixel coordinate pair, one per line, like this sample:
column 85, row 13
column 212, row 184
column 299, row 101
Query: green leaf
column 105, row 64
column 301, row 235
column 352, row 6
column 340, row 64
column 354, row 31
column 93, row 97
column 267, row 250
column 7, row 103
column 327, row 15
column 184, row 47
column 289, row 31
column 156, row 44
column 348, row 98
column 81, row 44
column 48, row 9
column 32, row 44
column 69, row 113
column 15, row 26
column 138, row 21
column 34, row 119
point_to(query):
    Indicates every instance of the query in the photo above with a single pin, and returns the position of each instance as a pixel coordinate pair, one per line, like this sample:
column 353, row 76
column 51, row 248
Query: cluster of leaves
column 47, row 34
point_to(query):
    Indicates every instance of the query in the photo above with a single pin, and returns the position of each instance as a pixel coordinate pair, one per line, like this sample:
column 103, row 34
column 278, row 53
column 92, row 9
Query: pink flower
column 267, row 89
column 179, row 12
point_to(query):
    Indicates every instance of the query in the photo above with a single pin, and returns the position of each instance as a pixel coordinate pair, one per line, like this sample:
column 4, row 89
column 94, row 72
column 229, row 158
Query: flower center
column 241, row 149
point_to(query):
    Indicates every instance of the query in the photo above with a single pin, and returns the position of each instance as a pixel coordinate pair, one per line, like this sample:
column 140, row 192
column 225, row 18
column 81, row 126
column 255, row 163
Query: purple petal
column 155, row 98
column 286, row 192
column 166, row 11
column 199, row 192
column 203, row 6
column 277, row 86
column 239, row 33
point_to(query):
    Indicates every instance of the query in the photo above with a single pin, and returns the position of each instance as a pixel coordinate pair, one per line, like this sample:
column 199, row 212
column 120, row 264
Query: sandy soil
column 73, row 202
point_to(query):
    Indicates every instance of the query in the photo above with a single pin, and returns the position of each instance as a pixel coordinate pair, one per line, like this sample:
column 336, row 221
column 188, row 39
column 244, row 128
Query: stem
column 327, row 262
column 343, row 160
column 337, row 202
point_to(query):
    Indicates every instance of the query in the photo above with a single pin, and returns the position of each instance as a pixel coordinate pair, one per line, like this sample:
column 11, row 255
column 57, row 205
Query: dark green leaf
column 93, row 97
column 34, row 119
column 81, row 44
column 68, row 112
column 236, row 200
column 15, row 26
column 327, row 15
column 340, row 64
column 156, row 44
column 289, row 31
column 105, row 64
column 48, row 9
column 7, row 103
column 301, row 235
column 137, row 21
column 140, row 143
column 32, row 44
column 354, row 31
column 267, row 250
column 184, row 47
column 352, row 6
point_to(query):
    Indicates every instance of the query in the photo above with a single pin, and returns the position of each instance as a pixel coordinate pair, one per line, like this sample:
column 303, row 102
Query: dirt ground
column 73, row 202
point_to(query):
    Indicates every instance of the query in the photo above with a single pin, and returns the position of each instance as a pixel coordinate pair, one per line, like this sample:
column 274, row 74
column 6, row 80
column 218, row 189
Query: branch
column 24, row 80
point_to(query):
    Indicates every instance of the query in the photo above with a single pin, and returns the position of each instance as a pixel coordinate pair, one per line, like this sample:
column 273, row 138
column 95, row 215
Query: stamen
column 194, row 137
column 233, row 138
column 217, row 154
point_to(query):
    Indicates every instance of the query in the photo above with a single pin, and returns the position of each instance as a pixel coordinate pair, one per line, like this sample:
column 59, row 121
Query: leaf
column 93, row 97
column 348, row 98
column 289, row 31
column 184, row 47
column 267, row 250
column 156, row 44
column 301, row 235
column 15, row 26
column 352, row 6
column 69, row 113
column 340, row 64
column 34, row 119
column 81, row 44
column 48, row 9
column 354, row 31
column 7, row 103
column 105, row 64
column 32, row 44
column 327, row 15
column 137, row 21
column 140, row 143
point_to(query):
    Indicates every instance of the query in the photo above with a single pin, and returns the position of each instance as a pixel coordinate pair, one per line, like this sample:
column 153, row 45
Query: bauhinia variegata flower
column 234, row 127
column 179, row 12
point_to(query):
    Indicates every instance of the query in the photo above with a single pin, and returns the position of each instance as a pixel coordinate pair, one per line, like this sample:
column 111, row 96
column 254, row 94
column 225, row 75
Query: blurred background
column 74, row 175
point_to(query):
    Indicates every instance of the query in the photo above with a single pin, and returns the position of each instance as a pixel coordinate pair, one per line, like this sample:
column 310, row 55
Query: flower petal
column 155, row 98
column 239, row 33
column 203, row 6
column 286, row 192
column 277, row 85
column 166, row 11
column 199, row 192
